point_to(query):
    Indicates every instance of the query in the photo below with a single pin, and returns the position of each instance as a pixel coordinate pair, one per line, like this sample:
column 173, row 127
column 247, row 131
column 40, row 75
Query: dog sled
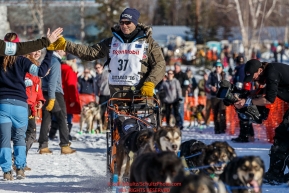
column 126, row 115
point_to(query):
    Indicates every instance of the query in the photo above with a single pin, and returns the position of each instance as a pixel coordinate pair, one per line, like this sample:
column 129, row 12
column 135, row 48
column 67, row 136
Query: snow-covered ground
column 85, row 171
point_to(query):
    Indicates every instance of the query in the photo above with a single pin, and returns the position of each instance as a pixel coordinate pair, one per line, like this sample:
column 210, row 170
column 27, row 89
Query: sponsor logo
column 248, row 74
column 138, row 46
column 126, row 15
column 117, row 52
column 127, row 127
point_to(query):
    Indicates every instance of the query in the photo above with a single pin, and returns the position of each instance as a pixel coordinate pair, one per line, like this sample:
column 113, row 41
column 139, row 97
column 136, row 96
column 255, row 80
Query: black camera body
column 230, row 93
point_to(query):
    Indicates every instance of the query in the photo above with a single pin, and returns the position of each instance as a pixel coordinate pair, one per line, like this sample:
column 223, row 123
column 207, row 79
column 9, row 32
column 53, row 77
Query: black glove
column 226, row 103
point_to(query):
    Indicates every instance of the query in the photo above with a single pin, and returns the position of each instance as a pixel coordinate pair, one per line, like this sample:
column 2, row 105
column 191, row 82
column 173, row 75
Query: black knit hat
column 131, row 15
column 251, row 67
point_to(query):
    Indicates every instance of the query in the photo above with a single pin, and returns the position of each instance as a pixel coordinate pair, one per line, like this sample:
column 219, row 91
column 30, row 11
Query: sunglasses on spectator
column 125, row 22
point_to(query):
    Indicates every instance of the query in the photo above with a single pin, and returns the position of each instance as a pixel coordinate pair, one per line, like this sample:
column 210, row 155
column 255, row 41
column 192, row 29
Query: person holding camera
column 173, row 97
column 275, row 76
column 246, row 128
column 219, row 109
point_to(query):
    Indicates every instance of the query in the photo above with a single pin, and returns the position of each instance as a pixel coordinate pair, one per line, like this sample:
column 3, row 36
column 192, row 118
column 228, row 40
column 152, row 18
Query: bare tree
column 82, row 23
column 251, row 15
column 146, row 9
column 36, row 10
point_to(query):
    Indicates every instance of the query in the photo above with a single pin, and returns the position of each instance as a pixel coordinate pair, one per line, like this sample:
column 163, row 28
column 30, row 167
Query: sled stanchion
column 143, row 109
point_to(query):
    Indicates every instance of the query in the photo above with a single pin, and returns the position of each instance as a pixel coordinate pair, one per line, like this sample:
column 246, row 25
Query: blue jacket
column 52, row 82
column 239, row 74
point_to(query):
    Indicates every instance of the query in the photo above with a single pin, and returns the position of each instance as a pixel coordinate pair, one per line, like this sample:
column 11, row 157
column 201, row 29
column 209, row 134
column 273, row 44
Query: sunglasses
column 125, row 22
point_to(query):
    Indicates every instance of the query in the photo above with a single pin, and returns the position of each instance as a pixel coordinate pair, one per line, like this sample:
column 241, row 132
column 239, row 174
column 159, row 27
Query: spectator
column 35, row 99
column 86, row 82
column 13, row 107
column 69, row 85
column 102, row 88
column 53, row 93
column 246, row 128
column 173, row 91
column 71, row 96
column 185, row 83
column 207, row 91
column 193, row 83
column 202, row 85
column 219, row 109
column 274, row 76
column 190, row 56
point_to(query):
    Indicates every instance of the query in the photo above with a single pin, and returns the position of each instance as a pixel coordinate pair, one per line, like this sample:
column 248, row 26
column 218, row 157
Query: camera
column 231, row 93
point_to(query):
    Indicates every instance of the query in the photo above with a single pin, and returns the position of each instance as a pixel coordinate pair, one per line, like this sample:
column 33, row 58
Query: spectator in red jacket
column 69, row 85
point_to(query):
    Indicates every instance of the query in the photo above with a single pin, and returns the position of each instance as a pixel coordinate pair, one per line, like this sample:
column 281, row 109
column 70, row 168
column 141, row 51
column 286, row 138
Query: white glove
column 97, row 99
column 28, row 82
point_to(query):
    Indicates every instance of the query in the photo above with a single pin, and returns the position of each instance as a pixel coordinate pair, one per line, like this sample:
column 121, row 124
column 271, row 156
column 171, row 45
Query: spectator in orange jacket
column 35, row 99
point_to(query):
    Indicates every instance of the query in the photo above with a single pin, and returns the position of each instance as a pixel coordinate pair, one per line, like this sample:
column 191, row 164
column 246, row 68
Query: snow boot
column 275, row 173
column 8, row 176
column 26, row 168
column 240, row 140
column 67, row 149
column 45, row 150
column 243, row 135
column 20, row 174
column 69, row 125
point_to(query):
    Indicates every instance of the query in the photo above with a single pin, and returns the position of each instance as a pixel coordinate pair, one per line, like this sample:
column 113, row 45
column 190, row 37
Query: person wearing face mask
column 134, row 57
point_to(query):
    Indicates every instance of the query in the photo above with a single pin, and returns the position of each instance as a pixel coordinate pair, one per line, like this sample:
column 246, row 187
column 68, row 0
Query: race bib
column 125, row 65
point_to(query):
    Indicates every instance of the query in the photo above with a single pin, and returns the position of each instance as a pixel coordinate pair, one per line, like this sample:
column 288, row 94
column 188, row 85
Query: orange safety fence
column 193, row 102
column 84, row 99
column 275, row 116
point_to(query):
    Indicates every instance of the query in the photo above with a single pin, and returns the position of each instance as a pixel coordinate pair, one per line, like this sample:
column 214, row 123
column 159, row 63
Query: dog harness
column 156, row 148
column 125, row 62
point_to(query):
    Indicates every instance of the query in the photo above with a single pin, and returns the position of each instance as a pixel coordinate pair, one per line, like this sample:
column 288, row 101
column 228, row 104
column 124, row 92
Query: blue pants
column 181, row 110
column 13, row 126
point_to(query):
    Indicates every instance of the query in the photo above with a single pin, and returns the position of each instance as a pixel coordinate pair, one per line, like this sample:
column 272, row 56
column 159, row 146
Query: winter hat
column 219, row 64
column 177, row 64
column 251, row 67
column 9, row 35
column 131, row 15
column 70, row 56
